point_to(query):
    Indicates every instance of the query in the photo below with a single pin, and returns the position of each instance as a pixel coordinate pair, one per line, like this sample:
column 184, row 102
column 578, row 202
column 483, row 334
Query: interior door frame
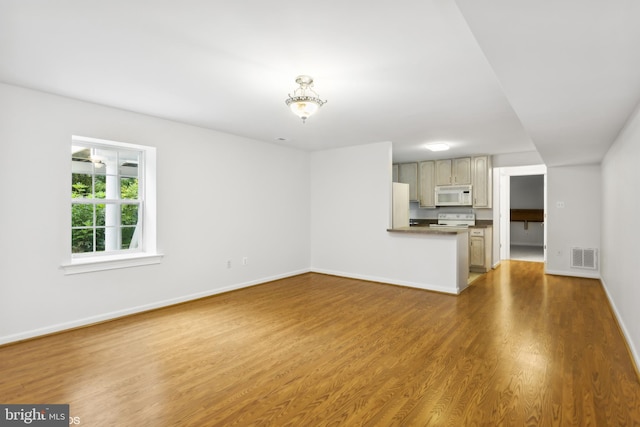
column 505, row 175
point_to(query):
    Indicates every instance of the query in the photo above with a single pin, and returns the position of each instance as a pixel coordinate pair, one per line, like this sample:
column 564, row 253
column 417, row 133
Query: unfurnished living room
column 294, row 214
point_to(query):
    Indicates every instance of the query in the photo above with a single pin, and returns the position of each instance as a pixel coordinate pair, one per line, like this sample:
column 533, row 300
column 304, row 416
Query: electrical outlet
column 245, row 261
column 228, row 263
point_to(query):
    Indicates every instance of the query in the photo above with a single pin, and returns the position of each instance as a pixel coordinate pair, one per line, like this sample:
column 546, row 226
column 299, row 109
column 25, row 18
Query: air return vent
column 584, row 258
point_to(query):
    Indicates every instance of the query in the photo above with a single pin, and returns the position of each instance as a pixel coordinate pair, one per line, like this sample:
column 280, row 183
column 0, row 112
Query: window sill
column 78, row 266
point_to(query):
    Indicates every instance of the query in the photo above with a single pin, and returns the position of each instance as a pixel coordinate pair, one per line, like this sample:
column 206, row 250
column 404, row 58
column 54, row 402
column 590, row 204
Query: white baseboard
column 573, row 273
column 388, row 281
column 138, row 309
column 623, row 327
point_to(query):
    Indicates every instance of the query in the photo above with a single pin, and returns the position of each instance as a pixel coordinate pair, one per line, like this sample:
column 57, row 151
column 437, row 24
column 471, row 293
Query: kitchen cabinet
column 482, row 181
column 408, row 174
column 424, row 176
column 480, row 248
column 443, row 172
column 427, row 184
column 453, row 171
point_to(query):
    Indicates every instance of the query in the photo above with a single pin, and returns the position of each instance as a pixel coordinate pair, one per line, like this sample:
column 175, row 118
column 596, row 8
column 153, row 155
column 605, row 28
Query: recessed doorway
column 526, row 226
column 522, row 213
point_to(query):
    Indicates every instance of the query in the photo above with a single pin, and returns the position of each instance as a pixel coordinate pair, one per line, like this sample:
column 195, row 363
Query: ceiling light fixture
column 437, row 146
column 96, row 159
column 305, row 101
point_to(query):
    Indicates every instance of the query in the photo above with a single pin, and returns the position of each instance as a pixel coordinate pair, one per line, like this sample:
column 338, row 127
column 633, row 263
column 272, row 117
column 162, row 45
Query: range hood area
column 454, row 195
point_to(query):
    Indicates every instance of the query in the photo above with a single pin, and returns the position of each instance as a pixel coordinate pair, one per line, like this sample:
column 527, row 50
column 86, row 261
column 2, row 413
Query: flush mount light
column 305, row 101
column 96, row 159
column 437, row 146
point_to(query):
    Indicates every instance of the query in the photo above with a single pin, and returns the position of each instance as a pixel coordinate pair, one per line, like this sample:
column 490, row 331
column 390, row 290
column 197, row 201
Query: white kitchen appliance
column 453, row 195
column 400, row 212
column 455, row 220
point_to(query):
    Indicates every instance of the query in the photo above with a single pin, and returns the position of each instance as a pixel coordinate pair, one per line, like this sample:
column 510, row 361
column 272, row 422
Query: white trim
column 146, row 253
column 101, row 263
column 573, row 274
column 623, row 328
column 110, row 143
column 505, row 174
column 388, row 281
column 87, row 321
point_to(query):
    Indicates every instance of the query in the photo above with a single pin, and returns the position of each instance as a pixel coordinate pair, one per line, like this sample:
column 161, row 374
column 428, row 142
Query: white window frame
column 146, row 253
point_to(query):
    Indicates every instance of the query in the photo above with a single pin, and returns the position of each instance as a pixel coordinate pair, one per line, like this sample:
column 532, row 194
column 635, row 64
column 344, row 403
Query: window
column 112, row 205
column 105, row 200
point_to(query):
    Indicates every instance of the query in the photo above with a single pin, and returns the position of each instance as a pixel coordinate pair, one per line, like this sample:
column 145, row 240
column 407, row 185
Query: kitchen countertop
column 427, row 230
column 423, row 228
column 480, row 223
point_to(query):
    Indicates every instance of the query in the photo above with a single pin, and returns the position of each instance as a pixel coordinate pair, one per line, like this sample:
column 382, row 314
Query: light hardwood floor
column 517, row 348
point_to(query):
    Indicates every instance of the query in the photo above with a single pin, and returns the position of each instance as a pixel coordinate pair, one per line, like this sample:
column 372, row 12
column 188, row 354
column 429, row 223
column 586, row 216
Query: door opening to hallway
column 522, row 213
column 526, row 228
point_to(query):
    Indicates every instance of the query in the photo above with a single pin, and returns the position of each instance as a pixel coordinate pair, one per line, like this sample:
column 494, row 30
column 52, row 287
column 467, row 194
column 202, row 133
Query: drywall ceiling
column 570, row 69
column 494, row 77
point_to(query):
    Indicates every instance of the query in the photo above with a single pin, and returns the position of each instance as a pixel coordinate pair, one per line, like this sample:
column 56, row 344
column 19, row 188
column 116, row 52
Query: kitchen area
column 448, row 199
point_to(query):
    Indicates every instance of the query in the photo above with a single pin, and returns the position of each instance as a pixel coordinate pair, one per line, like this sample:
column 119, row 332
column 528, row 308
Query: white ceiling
column 559, row 77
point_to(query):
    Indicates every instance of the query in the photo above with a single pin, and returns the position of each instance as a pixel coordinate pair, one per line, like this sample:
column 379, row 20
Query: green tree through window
column 105, row 200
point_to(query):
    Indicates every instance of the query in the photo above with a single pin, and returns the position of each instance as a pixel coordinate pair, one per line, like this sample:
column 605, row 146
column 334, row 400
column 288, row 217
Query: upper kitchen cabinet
column 482, row 181
column 408, row 174
column 453, row 171
column 427, row 186
column 423, row 177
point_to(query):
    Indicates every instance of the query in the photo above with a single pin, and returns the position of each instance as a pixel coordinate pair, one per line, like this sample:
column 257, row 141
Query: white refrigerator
column 400, row 214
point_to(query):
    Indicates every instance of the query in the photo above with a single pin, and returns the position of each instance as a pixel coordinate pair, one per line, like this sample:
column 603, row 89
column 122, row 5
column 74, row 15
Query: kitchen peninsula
column 452, row 248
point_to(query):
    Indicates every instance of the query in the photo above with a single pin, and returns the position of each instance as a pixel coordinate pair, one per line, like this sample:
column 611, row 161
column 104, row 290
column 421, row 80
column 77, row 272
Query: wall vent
column 584, row 258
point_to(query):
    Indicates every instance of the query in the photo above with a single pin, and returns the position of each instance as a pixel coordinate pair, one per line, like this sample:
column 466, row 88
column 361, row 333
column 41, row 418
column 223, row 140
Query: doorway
column 523, row 213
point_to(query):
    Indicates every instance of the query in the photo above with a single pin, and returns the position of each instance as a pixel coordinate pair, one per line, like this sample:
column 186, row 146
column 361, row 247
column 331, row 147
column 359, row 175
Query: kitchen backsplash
column 418, row 213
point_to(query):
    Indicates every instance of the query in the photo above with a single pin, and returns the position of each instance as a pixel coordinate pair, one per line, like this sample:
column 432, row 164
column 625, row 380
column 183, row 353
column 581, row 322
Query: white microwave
column 454, row 195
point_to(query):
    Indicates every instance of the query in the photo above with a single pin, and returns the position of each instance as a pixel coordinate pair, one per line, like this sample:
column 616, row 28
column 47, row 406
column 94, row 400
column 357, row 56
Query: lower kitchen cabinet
column 480, row 249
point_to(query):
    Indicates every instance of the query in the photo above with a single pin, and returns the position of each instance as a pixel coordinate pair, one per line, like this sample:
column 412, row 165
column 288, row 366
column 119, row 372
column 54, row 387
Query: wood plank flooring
column 517, row 348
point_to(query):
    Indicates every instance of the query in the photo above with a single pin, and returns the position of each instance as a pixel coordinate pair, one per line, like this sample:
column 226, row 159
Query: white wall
column 620, row 241
column 530, row 234
column 527, row 192
column 350, row 205
column 528, row 158
column 219, row 197
column 574, row 204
